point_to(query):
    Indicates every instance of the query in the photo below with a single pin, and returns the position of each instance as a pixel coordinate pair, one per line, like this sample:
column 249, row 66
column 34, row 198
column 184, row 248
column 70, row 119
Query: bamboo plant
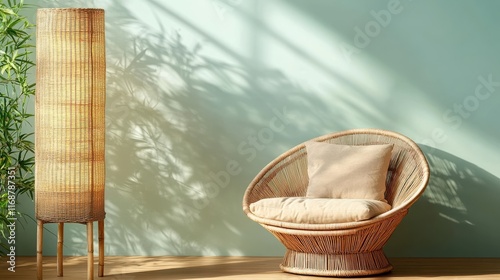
column 17, row 89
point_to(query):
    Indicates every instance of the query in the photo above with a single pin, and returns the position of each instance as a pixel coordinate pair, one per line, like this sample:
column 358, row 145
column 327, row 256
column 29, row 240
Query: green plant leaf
column 16, row 147
column 7, row 11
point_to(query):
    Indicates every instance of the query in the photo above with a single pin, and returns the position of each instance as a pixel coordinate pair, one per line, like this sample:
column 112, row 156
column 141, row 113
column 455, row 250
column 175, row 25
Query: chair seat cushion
column 307, row 210
column 343, row 171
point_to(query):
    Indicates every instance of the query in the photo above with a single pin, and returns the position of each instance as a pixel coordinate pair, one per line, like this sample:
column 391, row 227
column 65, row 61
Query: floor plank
column 240, row 268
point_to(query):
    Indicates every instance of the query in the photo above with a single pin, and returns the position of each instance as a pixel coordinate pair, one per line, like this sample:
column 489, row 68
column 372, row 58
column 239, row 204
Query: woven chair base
column 338, row 265
column 342, row 249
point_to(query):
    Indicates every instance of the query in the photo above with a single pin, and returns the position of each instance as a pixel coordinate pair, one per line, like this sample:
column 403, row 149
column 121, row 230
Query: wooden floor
column 239, row 268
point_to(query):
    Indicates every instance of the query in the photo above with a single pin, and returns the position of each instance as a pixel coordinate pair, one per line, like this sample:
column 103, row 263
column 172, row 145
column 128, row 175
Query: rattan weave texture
column 69, row 115
column 342, row 249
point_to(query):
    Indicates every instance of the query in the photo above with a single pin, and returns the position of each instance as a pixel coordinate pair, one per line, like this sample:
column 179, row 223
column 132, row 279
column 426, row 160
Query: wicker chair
column 343, row 249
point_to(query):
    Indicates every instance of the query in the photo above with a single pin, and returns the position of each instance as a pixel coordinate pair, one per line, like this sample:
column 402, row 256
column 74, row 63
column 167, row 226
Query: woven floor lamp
column 70, row 127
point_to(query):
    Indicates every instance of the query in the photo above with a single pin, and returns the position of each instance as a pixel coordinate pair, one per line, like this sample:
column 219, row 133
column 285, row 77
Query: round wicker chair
column 342, row 249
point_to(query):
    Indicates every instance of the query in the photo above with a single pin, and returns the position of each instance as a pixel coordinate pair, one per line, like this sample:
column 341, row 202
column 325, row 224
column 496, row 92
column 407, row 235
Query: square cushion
column 343, row 171
column 318, row 210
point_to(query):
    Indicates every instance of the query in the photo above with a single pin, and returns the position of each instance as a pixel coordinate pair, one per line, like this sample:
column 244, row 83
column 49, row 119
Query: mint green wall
column 203, row 94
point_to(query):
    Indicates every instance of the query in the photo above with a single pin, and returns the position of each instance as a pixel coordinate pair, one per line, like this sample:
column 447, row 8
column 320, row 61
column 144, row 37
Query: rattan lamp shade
column 69, row 115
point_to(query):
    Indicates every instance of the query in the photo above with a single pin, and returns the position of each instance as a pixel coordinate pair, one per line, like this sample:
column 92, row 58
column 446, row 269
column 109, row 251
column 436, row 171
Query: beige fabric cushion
column 305, row 210
column 342, row 171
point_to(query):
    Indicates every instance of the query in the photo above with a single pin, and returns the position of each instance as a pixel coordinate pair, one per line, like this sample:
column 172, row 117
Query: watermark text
column 11, row 218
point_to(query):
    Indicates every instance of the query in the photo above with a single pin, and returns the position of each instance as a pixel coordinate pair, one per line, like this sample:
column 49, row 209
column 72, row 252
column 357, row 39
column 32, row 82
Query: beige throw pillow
column 317, row 210
column 342, row 171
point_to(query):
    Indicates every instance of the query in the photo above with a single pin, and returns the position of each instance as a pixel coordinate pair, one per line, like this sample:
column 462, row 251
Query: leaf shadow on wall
column 178, row 123
column 460, row 206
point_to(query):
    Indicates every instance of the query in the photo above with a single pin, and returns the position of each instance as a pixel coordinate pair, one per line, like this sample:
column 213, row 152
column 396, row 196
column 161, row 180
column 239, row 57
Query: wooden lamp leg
column 60, row 240
column 39, row 247
column 90, row 246
column 100, row 225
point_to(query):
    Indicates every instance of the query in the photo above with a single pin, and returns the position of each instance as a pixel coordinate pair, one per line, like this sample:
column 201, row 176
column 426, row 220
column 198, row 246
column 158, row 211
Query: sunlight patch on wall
column 310, row 51
column 318, row 58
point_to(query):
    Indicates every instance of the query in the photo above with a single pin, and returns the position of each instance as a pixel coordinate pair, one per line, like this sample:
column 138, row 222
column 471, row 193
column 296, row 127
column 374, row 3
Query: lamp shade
column 69, row 115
